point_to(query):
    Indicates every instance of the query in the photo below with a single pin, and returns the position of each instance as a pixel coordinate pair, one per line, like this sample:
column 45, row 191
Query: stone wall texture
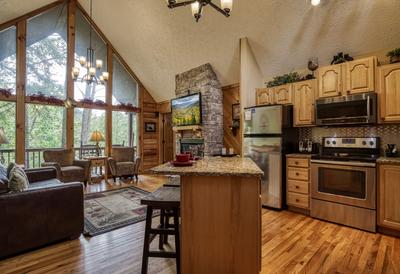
column 204, row 80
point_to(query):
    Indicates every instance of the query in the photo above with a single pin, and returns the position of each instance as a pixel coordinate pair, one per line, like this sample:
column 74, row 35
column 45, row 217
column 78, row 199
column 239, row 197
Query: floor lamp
column 3, row 140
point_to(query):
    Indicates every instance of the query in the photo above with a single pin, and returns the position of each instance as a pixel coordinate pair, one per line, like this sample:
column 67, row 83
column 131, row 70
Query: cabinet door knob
column 297, row 200
column 297, row 174
column 297, row 187
column 296, row 163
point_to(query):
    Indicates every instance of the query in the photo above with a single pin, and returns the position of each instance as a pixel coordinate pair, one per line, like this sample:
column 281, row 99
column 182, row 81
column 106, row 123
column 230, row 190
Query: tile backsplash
column 389, row 134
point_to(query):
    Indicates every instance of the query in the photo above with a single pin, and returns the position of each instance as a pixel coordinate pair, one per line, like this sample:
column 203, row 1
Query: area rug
column 109, row 210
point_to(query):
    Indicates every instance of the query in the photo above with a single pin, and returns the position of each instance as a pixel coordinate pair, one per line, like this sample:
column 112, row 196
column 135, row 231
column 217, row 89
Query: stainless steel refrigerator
column 268, row 136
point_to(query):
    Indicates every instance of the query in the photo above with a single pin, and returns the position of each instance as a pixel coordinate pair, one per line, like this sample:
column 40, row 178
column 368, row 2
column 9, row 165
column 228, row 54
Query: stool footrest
column 162, row 254
column 162, row 231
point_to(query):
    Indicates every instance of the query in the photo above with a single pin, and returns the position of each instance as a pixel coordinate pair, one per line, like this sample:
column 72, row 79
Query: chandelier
column 198, row 5
column 89, row 63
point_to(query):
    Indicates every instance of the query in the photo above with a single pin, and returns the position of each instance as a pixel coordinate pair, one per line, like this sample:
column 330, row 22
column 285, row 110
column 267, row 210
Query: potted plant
column 394, row 55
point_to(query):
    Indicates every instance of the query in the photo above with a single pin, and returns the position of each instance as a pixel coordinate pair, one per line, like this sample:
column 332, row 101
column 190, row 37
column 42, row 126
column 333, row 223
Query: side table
column 98, row 162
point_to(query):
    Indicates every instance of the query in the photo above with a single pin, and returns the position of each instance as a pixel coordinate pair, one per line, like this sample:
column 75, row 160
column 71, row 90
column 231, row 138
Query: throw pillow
column 18, row 179
column 9, row 168
column 3, row 180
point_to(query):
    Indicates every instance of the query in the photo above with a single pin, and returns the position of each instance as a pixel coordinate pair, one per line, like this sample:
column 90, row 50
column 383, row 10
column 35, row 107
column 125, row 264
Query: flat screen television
column 186, row 111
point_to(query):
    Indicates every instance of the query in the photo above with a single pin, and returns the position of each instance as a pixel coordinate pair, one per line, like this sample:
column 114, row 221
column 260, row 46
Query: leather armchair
column 68, row 169
column 123, row 163
column 49, row 211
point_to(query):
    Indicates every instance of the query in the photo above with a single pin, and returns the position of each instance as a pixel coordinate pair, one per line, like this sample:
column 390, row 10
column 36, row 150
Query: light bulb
column 92, row 71
column 99, row 64
column 195, row 8
column 75, row 72
column 105, row 75
column 82, row 61
column 315, row 2
column 226, row 5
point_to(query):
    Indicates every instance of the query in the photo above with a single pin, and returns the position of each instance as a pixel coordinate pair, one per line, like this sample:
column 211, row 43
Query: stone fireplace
column 204, row 80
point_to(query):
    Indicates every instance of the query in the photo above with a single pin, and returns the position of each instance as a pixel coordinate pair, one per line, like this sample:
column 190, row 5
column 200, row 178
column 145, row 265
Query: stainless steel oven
column 351, row 109
column 349, row 183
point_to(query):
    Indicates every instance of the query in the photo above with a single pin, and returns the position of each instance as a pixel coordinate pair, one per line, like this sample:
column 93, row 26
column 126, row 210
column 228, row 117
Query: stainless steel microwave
column 351, row 110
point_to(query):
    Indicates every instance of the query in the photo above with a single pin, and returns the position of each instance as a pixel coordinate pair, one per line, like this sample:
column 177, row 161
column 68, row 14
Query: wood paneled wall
column 149, row 141
column 231, row 95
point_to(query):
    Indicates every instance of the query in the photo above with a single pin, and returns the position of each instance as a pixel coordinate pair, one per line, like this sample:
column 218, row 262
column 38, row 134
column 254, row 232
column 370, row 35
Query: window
column 45, row 126
column 86, row 121
column 46, row 53
column 7, row 122
column 82, row 42
column 125, row 88
column 8, row 55
column 124, row 128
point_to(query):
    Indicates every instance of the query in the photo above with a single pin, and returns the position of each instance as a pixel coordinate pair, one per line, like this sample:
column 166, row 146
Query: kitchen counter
column 213, row 166
column 300, row 155
column 220, row 215
column 389, row 160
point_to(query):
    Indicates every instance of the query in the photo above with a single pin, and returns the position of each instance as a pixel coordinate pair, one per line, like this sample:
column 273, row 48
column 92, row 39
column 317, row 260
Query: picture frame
column 235, row 112
column 150, row 127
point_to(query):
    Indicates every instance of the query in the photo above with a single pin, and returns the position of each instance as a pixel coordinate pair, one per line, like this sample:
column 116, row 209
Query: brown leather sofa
column 68, row 169
column 49, row 211
column 123, row 163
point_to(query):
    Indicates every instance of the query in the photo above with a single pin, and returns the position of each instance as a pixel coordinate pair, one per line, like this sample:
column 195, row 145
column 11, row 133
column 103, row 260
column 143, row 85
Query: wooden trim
column 70, row 64
column 237, row 85
column 11, row 98
column 21, row 83
column 109, row 100
column 16, row 21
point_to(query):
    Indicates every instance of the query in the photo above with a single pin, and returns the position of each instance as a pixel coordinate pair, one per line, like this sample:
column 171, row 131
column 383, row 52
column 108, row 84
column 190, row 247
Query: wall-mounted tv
column 186, row 111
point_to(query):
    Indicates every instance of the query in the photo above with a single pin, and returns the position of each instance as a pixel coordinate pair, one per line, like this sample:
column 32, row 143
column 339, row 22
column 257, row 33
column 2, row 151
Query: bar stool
column 167, row 200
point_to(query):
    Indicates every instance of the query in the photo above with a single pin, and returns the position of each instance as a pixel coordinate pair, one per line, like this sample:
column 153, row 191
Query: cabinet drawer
column 297, row 186
column 298, row 200
column 298, row 162
column 97, row 162
column 297, row 173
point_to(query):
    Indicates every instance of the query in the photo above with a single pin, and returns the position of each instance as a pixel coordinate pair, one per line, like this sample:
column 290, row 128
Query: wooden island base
column 220, row 215
column 221, row 224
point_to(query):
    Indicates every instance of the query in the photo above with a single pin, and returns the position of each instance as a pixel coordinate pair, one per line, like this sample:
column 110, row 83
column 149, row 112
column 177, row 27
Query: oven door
column 349, row 183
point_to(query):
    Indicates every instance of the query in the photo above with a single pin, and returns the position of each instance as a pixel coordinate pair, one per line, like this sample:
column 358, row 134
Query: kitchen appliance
column 343, row 181
column 391, row 150
column 307, row 146
column 350, row 110
column 268, row 136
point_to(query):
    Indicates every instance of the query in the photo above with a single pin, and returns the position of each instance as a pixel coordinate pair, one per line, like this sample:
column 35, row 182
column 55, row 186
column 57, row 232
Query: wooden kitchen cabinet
column 304, row 102
column 284, row 94
column 265, row 96
column 360, row 75
column 389, row 92
column 298, row 182
column 388, row 196
column 330, row 81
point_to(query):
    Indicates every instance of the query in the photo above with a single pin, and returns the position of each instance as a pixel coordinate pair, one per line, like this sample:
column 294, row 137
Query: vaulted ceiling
column 159, row 43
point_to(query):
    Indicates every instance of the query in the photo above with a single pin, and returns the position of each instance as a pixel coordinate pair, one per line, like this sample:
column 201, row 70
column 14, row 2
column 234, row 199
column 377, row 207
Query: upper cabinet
column 360, row 75
column 330, row 81
column 265, row 96
column 304, row 100
column 389, row 88
column 284, row 94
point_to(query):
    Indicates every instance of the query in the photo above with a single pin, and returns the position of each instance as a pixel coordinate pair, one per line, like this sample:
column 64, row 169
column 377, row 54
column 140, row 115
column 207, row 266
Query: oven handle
column 342, row 163
column 368, row 107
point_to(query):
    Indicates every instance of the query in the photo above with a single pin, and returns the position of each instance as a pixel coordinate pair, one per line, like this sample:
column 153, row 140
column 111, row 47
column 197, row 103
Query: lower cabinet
column 389, row 196
column 298, row 182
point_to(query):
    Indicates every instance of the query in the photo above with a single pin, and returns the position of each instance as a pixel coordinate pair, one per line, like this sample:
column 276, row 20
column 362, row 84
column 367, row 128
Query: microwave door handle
column 368, row 106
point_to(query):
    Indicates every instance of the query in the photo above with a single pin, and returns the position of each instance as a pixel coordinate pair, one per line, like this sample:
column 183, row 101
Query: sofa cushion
column 63, row 157
column 125, row 168
column 123, row 154
column 45, row 184
column 18, row 180
column 9, row 168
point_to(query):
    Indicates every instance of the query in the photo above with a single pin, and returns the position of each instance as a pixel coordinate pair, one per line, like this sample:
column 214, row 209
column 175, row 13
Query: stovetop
column 349, row 149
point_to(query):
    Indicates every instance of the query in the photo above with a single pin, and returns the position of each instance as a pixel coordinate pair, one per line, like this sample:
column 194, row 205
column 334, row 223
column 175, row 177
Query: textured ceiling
column 159, row 43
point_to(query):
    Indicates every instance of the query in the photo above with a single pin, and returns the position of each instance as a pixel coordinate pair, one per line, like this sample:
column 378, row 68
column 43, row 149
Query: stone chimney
column 204, row 80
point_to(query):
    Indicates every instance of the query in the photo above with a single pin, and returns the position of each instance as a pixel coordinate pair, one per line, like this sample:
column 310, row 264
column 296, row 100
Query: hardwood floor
column 291, row 243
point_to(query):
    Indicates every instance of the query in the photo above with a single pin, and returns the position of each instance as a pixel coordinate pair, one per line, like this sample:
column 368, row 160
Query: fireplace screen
column 195, row 146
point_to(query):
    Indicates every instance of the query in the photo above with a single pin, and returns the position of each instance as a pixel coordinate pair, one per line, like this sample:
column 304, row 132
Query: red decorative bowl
column 183, row 158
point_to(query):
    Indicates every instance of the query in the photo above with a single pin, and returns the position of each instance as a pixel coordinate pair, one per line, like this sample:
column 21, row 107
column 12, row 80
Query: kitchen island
column 220, row 215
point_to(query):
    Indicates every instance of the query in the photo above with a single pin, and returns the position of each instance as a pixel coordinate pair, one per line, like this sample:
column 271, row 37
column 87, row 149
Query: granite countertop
column 388, row 160
column 213, row 166
column 300, row 155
